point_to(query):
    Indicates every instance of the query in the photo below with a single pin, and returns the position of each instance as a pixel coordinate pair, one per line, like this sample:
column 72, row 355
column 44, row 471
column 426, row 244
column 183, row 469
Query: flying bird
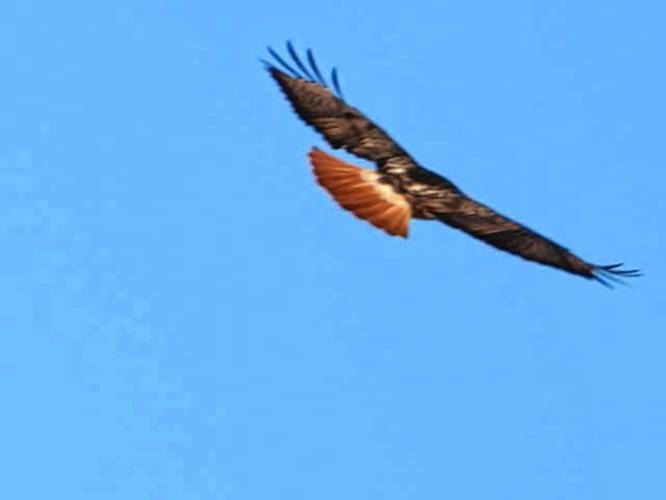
column 400, row 189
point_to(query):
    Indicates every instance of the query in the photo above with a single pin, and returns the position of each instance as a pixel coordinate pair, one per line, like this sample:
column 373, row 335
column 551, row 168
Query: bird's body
column 400, row 189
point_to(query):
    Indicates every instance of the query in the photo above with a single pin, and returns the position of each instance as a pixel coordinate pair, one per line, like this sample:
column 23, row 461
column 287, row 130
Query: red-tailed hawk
column 400, row 189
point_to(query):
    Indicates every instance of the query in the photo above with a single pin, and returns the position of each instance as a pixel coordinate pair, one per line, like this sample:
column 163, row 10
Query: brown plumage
column 400, row 188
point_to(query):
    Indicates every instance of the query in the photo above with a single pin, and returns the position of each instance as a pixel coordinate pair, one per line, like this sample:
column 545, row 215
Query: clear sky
column 186, row 314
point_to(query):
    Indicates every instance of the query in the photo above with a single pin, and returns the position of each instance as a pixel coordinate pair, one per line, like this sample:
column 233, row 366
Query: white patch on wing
column 416, row 188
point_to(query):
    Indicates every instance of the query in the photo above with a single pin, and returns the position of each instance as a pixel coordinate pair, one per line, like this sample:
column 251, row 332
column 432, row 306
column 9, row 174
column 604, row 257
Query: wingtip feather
column 611, row 273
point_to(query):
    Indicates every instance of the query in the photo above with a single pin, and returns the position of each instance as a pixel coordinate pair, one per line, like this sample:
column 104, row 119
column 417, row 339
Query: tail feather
column 361, row 191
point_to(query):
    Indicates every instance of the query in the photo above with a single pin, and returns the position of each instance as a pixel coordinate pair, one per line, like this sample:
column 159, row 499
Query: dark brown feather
column 501, row 232
column 342, row 126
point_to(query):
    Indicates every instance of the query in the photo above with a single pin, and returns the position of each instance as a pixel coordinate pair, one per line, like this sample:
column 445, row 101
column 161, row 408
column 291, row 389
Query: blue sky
column 186, row 314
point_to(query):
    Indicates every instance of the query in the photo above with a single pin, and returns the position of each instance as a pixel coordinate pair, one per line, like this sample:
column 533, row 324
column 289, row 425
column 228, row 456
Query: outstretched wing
column 324, row 108
column 483, row 223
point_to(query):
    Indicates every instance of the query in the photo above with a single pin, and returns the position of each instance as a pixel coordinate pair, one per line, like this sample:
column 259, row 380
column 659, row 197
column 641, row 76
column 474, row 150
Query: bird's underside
column 400, row 189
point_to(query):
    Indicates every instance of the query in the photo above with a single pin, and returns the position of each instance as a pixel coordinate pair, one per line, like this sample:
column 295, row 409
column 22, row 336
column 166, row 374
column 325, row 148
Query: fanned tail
column 362, row 192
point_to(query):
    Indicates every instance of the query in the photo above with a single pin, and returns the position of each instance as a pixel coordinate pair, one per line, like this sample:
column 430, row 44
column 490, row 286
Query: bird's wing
column 324, row 108
column 483, row 223
column 363, row 192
